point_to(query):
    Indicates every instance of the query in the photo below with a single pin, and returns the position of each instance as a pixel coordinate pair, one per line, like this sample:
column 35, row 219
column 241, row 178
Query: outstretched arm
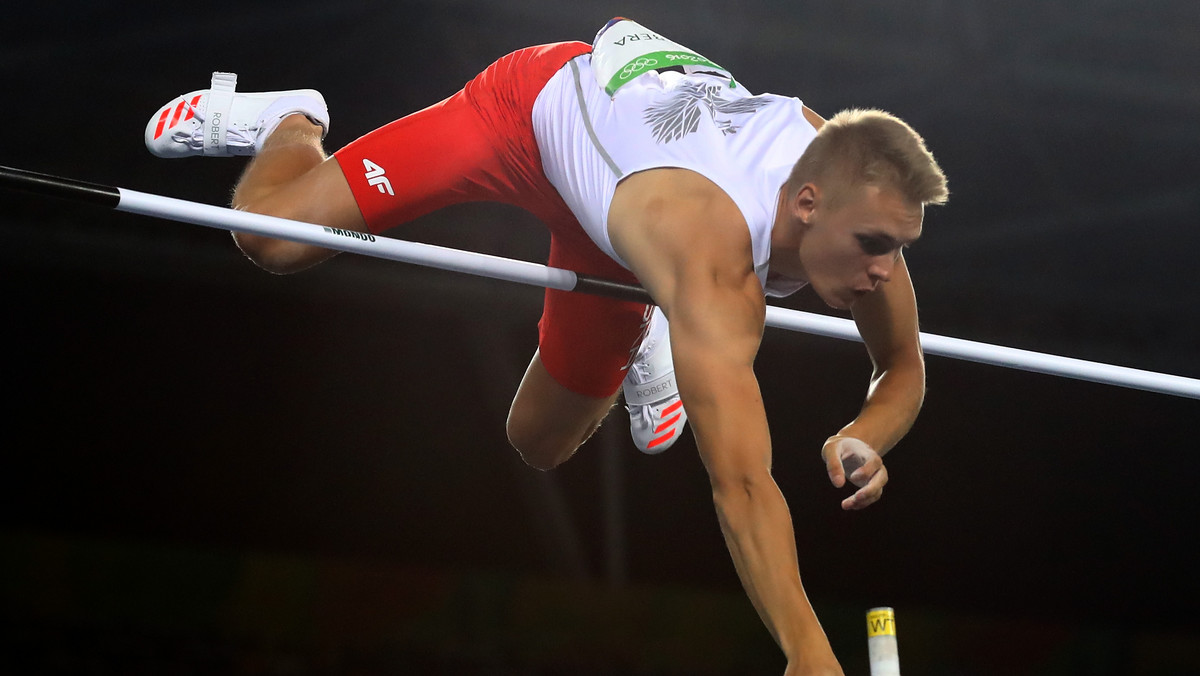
column 715, row 331
column 692, row 251
column 887, row 320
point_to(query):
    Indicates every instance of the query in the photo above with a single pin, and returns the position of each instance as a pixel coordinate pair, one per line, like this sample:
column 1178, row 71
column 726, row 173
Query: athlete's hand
column 852, row 459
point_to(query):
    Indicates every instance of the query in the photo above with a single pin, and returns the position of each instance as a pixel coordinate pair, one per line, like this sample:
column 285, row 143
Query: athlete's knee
column 319, row 196
column 548, row 421
column 540, row 447
column 279, row 256
column 537, row 449
column 274, row 255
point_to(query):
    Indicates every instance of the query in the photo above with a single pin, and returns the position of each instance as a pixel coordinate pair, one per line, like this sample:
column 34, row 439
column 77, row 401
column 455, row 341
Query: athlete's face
column 848, row 249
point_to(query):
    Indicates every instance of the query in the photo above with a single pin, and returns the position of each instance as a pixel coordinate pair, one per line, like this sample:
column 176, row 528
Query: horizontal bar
column 523, row 272
column 996, row 355
column 428, row 255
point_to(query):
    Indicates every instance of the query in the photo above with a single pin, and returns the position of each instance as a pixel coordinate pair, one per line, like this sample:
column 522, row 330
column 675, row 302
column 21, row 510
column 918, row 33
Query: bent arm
column 887, row 320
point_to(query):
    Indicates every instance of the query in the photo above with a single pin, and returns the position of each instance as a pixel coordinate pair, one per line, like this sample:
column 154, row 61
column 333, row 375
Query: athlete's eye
column 875, row 245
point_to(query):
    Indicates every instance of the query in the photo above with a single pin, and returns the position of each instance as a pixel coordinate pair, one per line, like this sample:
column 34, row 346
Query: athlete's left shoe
column 656, row 415
column 220, row 122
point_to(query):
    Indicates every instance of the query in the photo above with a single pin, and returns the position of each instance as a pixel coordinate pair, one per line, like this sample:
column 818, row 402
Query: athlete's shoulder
column 679, row 203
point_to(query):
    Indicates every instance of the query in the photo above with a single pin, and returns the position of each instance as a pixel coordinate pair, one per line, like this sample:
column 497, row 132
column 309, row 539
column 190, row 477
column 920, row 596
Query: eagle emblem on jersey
column 679, row 114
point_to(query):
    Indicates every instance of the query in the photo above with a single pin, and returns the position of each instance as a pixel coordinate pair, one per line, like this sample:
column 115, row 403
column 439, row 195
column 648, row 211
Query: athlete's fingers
column 868, row 494
column 833, row 462
column 860, row 470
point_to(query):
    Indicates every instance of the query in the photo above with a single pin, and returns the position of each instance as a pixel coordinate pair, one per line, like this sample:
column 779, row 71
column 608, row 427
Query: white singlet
column 744, row 144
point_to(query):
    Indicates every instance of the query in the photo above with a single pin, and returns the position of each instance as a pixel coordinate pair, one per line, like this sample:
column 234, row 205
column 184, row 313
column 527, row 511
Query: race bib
column 624, row 49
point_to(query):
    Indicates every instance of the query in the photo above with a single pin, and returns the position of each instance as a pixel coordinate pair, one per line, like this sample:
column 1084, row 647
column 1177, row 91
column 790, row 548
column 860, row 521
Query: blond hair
column 870, row 147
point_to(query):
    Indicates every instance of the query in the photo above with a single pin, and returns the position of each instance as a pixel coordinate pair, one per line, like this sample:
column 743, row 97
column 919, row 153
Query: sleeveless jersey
column 704, row 122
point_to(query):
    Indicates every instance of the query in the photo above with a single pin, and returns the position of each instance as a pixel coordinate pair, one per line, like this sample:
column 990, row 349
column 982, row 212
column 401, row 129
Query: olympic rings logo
column 637, row 66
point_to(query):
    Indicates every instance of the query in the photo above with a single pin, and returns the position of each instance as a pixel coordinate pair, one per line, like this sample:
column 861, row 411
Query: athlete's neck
column 785, row 241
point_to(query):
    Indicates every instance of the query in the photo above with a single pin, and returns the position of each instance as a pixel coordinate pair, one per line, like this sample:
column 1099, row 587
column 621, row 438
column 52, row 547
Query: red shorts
column 478, row 145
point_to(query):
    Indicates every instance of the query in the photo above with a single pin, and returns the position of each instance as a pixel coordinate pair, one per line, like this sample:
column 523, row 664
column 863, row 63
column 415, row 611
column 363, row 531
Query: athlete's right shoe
column 656, row 415
column 218, row 122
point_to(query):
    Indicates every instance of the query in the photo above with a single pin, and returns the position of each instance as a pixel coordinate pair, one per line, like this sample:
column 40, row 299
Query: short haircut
column 870, row 147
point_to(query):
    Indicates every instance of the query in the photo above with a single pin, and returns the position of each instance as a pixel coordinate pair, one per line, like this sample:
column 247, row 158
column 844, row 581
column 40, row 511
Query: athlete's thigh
column 323, row 196
column 547, row 411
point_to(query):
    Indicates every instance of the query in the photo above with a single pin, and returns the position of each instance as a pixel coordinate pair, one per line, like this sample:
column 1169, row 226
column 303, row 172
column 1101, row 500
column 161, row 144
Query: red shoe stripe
column 661, row 439
column 672, row 408
column 668, row 423
column 192, row 107
column 178, row 114
column 162, row 122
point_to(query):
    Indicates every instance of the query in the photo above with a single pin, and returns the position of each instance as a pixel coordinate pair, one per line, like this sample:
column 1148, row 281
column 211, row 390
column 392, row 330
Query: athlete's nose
column 880, row 270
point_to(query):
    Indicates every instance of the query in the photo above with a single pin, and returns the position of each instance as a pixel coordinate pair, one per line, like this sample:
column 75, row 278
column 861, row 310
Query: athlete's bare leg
column 291, row 177
column 547, row 422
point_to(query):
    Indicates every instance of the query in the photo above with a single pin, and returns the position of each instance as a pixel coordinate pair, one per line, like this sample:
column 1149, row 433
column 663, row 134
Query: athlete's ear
column 804, row 202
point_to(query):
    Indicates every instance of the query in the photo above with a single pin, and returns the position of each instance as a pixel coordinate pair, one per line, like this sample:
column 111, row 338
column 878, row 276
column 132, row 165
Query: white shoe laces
column 641, row 370
column 641, row 415
column 236, row 136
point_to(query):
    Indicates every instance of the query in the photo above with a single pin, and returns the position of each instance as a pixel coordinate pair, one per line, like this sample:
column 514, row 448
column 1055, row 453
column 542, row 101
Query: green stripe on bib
column 655, row 60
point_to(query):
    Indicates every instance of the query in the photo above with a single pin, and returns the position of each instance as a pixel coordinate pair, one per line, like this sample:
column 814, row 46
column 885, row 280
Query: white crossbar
column 539, row 275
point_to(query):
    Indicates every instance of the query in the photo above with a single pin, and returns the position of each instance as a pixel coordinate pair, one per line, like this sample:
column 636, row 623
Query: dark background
column 166, row 396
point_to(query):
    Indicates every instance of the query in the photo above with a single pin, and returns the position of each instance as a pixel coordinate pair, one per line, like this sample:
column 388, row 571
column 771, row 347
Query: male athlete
column 649, row 164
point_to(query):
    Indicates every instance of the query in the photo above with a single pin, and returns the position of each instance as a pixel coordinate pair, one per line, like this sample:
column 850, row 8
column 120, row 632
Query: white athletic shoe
column 218, row 122
column 656, row 415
